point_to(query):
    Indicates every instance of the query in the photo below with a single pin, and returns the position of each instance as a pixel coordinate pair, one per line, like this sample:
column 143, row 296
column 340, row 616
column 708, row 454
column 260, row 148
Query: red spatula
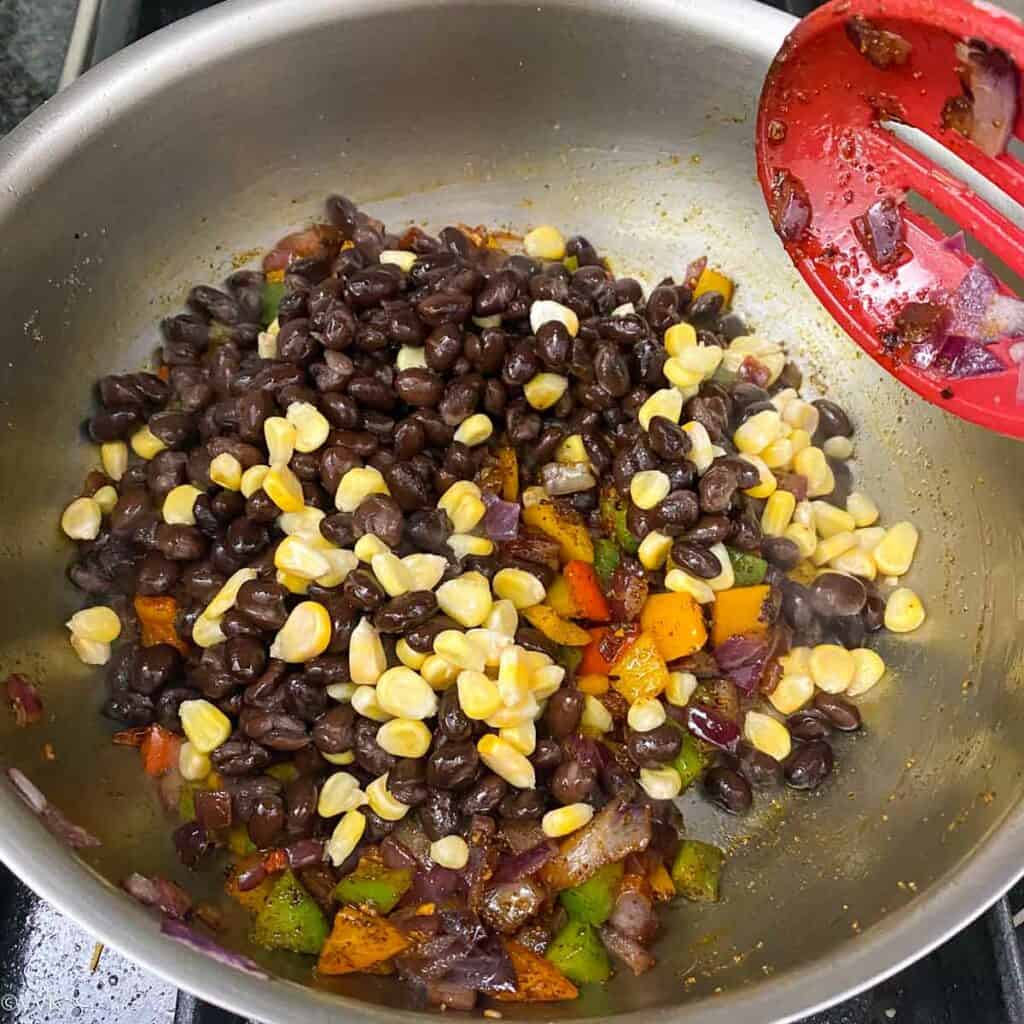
column 837, row 162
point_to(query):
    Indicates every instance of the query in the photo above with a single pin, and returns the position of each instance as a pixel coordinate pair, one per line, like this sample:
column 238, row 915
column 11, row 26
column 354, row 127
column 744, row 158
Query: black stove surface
column 52, row 972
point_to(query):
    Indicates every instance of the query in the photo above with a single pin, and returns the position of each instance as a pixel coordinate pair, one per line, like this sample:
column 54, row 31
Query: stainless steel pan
column 630, row 121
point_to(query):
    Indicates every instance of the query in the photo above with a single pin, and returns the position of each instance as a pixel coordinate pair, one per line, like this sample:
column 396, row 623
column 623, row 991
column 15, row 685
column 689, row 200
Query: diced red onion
column 971, row 300
column 181, row 932
column 633, row 915
column 791, row 207
column 522, row 865
column 25, row 700
column 395, row 855
column 320, row 241
column 739, row 650
column 754, row 371
column 693, row 272
column 567, row 478
column 451, row 997
column 965, row 357
column 714, row 728
column 435, row 884
column 59, row 826
column 169, row 788
column 305, row 853
column 501, row 521
column 161, row 893
column 881, row 47
column 956, row 244
column 991, row 79
column 629, row 951
column 881, row 231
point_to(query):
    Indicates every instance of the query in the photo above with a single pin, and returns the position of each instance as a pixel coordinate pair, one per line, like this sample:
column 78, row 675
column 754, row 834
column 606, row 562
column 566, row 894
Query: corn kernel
column 855, row 562
column 114, row 458
column 205, row 726
column 545, row 243
column 474, row 430
column 646, row 714
column 364, row 701
column 345, row 837
column 700, row 454
column 451, row 852
column 206, row 631
column 467, row 599
column 832, row 667
column 862, row 509
column 680, row 337
column 869, row 670
column 341, row 563
column 456, row 648
column 193, row 765
column 438, row 673
column 503, row 618
column 405, row 694
column 681, row 582
column 753, row 435
column 563, row 821
column 342, row 693
column 305, row 634
column 676, row 373
column 458, row 490
column 283, row 488
column 811, row 463
column 869, row 537
column 488, row 643
column 392, row 575
column 357, row 485
column 366, row 658
column 727, row 577
column 829, row 520
column 488, row 321
column 503, row 759
column 106, row 498
column 463, row 544
column 293, row 555
column 252, row 480
column 522, row 736
column 667, row 402
column 544, row 310
column 527, row 710
column 425, row 571
column 409, row 657
column 661, row 783
column 339, row 794
column 779, row 454
column 146, row 444
column 896, row 550
column 649, row 488
column 791, row 693
column 681, row 687
column 520, row 587
column 266, row 343
column 767, row 734
column 368, row 547
column 279, row 434
column 839, row 448
column 654, row 550
column 626, row 309
column 224, row 600
column 311, row 426
column 572, row 450
column 833, row 547
column 544, row 390
column 596, row 717
column 545, row 681
column 404, row 737
column 344, row 758
column 804, row 514
column 467, row 513
column 226, row 471
column 777, row 514
column 398, row 258
column 767, row 485
column 514, row 676
column 801, row 415
column 98, row 623
column 535, row 660
column 797, row 661
column 90, row 652
column 803, row 537
column 702, row 359
column 179, row 504
column 478, row 695
column 411, row 357
column 799, row 440
column 81, row 519
column 904, row 611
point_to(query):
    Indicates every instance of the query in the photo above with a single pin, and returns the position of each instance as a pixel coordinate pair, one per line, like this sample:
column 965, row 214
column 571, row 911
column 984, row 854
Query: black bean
column 717, row 486
column 849, row 632
column 418, row 386
column 563, row 713
column 808, row 725
column 443, row 347
column 460, row 401
column 547, row 755
column 452, row 721
column 809, row 765
column 453, row 765
column 611, row 370
column 180, row 543
column 832, row 420
column 267, row 821
column 841, row 714
column 696, row 558
column 154, row 667
column 407, row 782
column 334, row 731
column 408, row 488
column 655, row 747
column 759, row 769
column 300, row 799
column 573, row 782
column 522, row 805
column 370, row 755
column 362, row 590
column 835, row 593
column 380, row 515
column 728, row 789
column 406, row 611
column 438, row 814
column 156, row 575
column 485, row 795
column 522, row 425
column 780, row 552
column 873, row 614
column 263, row 603
column 239, row 756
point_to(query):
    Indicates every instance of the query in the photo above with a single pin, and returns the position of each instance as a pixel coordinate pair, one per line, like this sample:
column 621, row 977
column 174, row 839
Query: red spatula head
column 836, row 175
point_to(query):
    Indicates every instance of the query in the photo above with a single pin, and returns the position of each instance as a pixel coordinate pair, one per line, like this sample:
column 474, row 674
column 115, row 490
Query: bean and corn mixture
column 428, row 575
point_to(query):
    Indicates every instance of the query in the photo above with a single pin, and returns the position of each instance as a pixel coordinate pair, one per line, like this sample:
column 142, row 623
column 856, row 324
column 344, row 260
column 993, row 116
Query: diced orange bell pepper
column 164, row 373
column 640, row 670
column 711, row 280
column 275, row 861
column 564, row 525
column 159, row 749
column 676, row 623
column 560, row 598
column 592, row 684
column 508, row 467
column 605, row 646
column 538, row 980
column 661, row 883
column 358, row 941
column 156, row 618
column 739, row 611
column 585, row 591
column 554, row 627
column 252, row 899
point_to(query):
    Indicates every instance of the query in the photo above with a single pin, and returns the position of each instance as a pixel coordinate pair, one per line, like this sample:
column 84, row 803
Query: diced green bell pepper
column 571, row 263
column 593, row 901
column 290, row 919
column 697, row 871
column 613, row 513
column 375, row 886
column 690, row 762
column 749, row 570
column 187, row 802
column 606, row 559
column 283, row 772
column 569, row 657
column 577, row 951
column 273, row 292
column 239, row 842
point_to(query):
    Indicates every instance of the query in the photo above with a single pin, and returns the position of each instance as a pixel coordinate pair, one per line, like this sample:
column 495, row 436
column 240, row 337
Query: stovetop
column 52, row 972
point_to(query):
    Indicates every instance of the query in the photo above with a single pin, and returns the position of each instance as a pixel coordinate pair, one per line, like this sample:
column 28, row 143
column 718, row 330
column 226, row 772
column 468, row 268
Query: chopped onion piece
column 66, row 831
column 567, row 478
column 181, row 932
column 25, row 700
column 990, row 77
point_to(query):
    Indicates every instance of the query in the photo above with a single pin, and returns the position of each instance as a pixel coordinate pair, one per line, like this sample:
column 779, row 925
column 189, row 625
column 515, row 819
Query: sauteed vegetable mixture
column 429, row 571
